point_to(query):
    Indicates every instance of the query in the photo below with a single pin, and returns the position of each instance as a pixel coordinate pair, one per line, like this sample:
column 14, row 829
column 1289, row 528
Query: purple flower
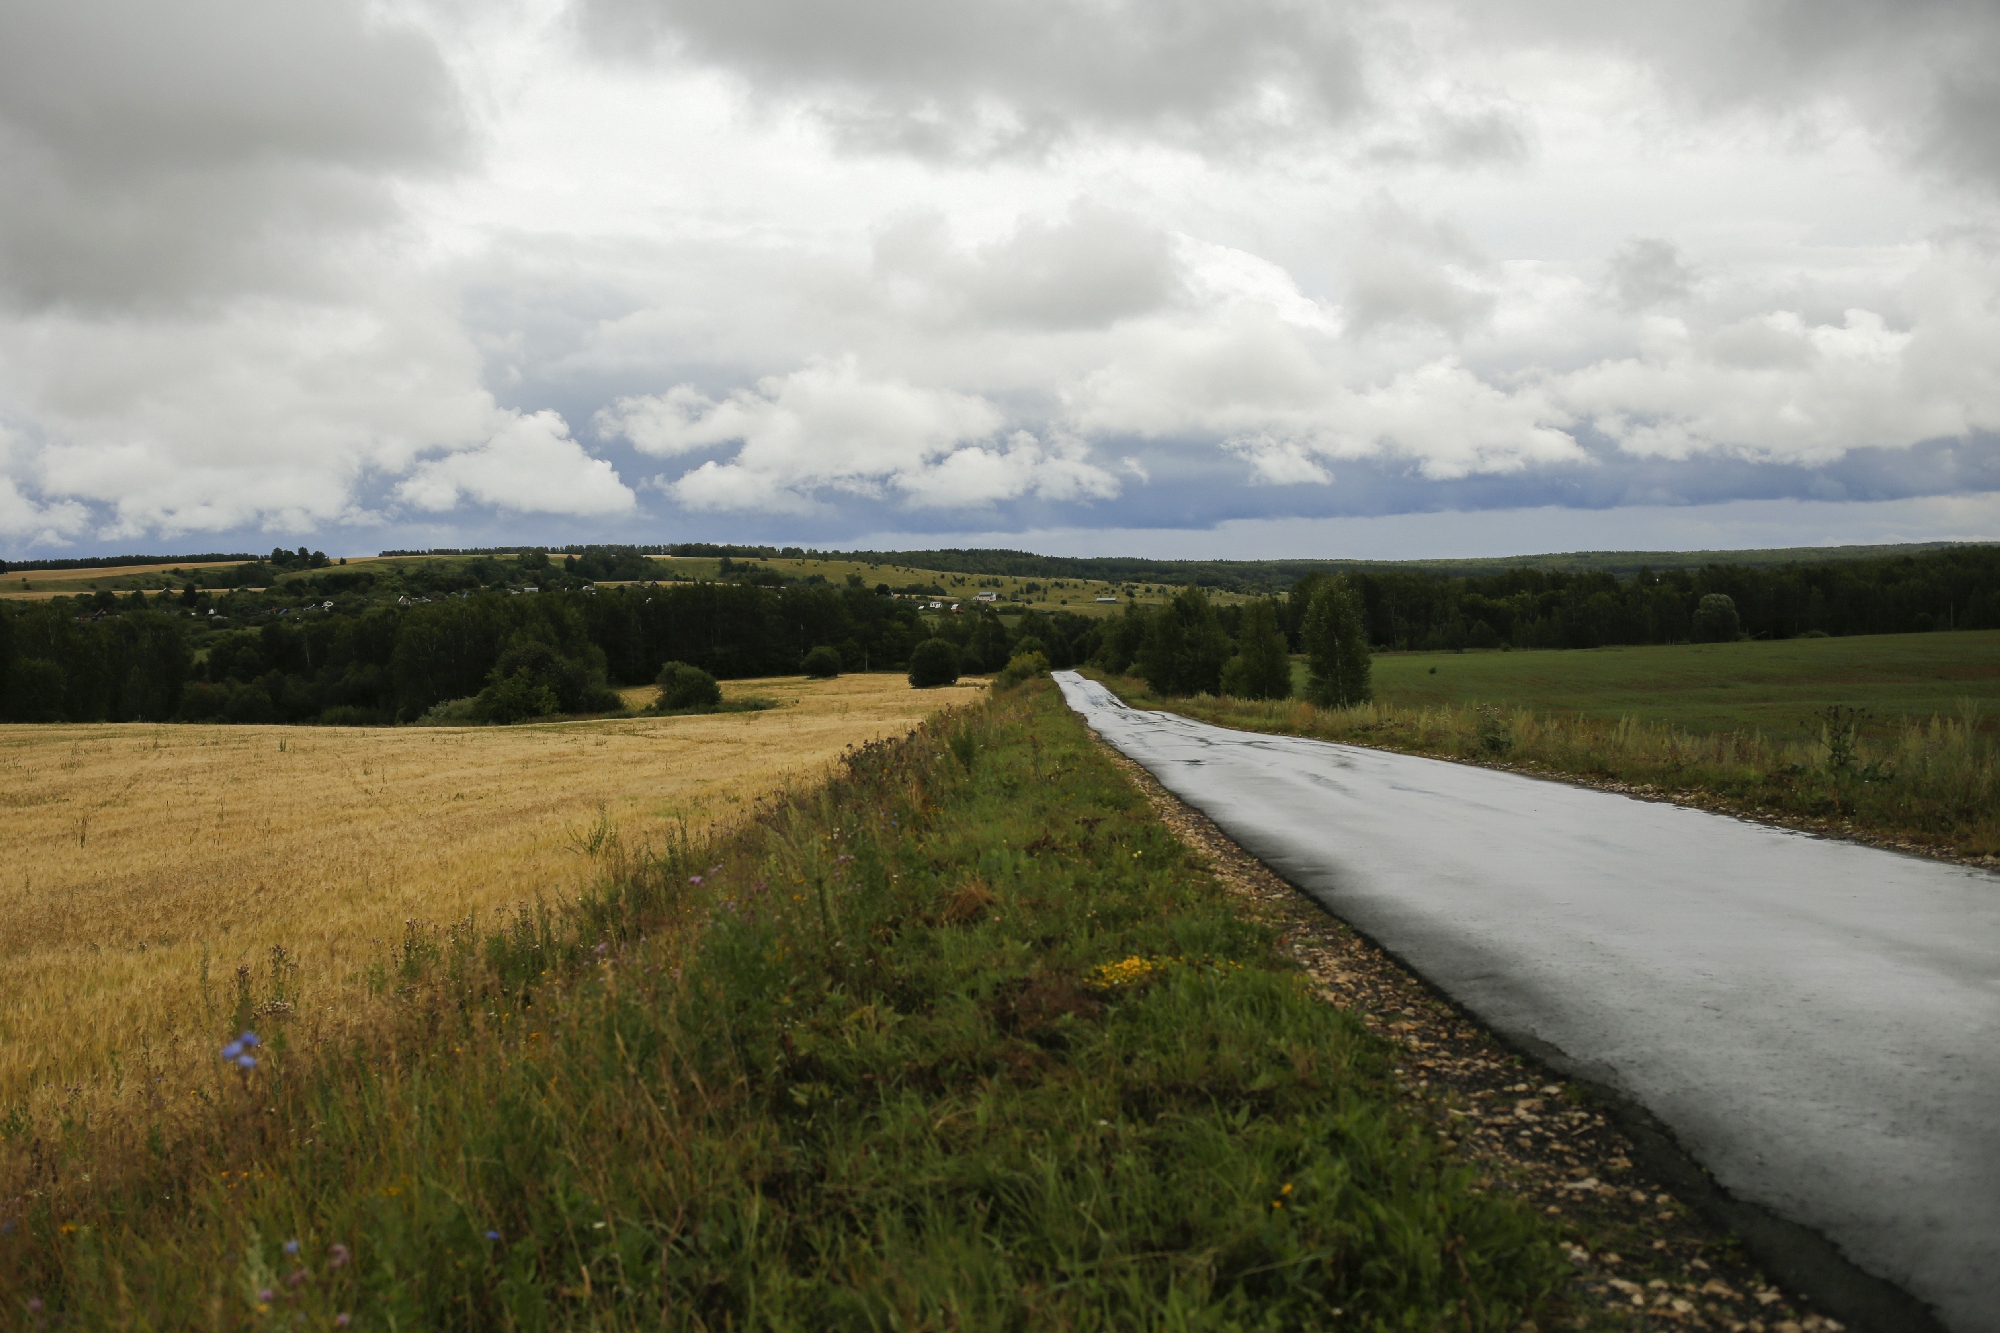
column 337, row 1256
column 291, row 1247
column 694, row 879
column 34, row 1305
column 296, row 1278
column 250, row 1039
column 493, row 1235
column 265, row 1295
column 343, row 1319
column 600, row 948
column 232, row 1050
column 246, row 1061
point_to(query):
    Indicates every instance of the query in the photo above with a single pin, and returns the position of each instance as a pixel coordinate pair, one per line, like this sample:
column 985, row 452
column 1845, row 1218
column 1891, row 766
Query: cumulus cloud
column 1010, row 76
column 1091, row 268
column 530, row 465
column 1924, row 77
column 1404, row 269
column 39, row 524
column 1648, row 271
column 827, row 428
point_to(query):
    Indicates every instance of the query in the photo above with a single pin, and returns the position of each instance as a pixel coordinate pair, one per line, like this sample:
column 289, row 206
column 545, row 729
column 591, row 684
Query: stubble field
column 149, row 863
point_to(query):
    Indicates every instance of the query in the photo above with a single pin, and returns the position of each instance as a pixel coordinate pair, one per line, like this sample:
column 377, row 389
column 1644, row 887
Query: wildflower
column 337, row 1256
column 694, row 879
column 250, row 1039
column 291, row 1247
column 266, row 1295
column 343, row 1319
column 493, row 1235
column 34, row 1305
column 296, row 1278
column 600, row 948
column 246, row 1061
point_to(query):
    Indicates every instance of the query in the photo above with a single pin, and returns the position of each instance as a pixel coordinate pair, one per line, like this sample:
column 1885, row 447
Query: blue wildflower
column 493, row 1235
column 246, row 1061
column 291, row 1247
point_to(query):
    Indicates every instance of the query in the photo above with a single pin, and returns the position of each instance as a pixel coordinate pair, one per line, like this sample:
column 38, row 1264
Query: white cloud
column 827, row 428
column 39, row 524
column 293, row 270
column 530, row 465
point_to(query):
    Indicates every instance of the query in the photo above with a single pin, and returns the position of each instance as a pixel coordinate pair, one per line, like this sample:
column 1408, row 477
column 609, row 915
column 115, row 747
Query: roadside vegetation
column 1929, row 782
column 963, row 1039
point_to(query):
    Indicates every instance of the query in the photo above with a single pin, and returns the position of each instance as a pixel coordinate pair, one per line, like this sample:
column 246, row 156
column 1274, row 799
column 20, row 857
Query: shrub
column 1715, row 620
column 933, row 662
column 822, row 663
column 683, row 687
column 532, row 679
column 515, row 698
column 452, row 713
column 1336, row 648
column 1023, row 666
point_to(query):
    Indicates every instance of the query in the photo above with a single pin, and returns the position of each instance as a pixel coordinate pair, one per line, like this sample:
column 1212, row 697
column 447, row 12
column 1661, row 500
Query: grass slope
column 964, row 1040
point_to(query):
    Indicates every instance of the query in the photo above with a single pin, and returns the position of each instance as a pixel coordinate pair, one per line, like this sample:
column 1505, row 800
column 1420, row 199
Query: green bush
column 822, row 663
column 452, row 713
column 533, row 679
column 933, row 662
column 683, row 687
column 1023, row 666
column 515, row 698
column 1716, row 621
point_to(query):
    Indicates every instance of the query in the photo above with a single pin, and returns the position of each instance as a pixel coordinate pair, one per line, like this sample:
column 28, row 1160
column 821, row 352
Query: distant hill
column 1262, row 575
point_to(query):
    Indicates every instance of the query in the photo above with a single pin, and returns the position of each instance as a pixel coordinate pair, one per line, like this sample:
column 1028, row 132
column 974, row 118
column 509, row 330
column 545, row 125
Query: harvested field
column 152, row 862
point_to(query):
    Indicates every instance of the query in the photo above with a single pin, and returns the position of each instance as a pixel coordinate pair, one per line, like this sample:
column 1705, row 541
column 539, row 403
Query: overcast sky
column 1227, row 277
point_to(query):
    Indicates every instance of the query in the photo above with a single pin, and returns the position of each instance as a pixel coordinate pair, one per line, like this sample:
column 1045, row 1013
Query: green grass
column 1764, row 727
column 963, row 1040
column 1781, row 688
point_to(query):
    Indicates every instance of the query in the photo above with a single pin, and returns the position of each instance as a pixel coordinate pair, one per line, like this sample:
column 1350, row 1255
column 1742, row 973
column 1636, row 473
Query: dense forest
column 373, row 645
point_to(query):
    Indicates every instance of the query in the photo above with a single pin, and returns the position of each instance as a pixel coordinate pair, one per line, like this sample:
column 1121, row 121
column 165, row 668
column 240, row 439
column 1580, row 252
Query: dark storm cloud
column 160, row 153
column 1924, row 75
column 990, row 76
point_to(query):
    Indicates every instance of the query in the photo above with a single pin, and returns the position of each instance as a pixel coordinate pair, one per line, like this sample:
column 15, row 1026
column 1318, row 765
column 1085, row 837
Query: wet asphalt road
column 1817, row 1022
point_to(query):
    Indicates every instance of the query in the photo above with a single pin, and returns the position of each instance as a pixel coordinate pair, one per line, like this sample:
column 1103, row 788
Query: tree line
column 129, row 658
column 124, row 658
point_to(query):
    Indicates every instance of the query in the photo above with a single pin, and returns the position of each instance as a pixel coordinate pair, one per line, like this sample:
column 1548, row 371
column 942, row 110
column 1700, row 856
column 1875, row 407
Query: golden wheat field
column 147, row 863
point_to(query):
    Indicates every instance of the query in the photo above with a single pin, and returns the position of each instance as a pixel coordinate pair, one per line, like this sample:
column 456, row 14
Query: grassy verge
column 964, row 1039
column 1928, row 784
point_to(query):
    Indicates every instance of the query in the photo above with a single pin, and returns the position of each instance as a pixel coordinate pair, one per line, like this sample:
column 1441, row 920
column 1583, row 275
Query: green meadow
column 1781, row 688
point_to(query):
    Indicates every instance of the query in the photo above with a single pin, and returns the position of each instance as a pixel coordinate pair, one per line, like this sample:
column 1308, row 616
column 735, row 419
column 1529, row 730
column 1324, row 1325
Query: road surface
column 1817, row 1022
